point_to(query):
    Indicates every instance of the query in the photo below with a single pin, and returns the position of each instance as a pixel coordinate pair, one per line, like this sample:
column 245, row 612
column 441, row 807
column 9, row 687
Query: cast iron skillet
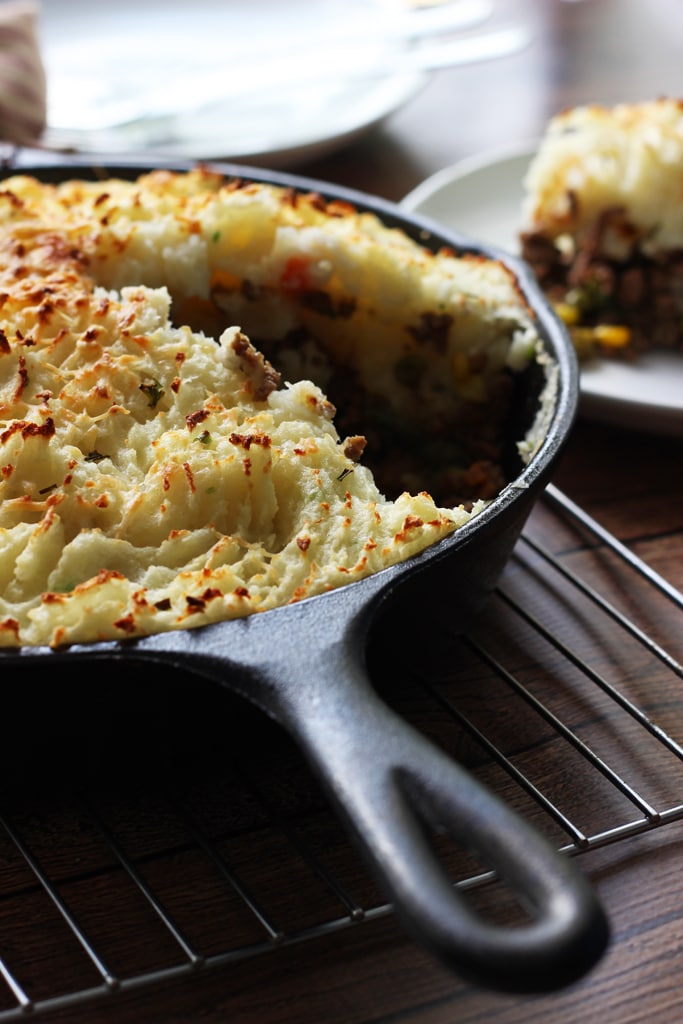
column 305, row 666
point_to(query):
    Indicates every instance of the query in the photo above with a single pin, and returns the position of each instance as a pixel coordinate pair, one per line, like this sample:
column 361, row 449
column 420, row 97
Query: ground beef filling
column 642, row 294
column 457, row 463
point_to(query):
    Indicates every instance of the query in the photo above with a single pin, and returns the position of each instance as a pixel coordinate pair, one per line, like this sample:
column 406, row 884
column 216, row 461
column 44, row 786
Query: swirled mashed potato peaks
column 155, row 475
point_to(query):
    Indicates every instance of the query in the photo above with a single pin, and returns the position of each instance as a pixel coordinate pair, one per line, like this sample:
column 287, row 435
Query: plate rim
column 467, row 166
column 402, row 88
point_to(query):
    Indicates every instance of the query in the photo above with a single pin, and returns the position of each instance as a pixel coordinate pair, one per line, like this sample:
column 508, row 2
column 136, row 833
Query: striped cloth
column 22, row 74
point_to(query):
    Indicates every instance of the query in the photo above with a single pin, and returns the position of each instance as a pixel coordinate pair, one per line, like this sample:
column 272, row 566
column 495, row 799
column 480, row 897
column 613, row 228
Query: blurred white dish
column 257, row 80
column 481, row 197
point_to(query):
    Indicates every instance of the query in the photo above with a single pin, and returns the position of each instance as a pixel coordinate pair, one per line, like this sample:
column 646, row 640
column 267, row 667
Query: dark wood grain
column 370, row 971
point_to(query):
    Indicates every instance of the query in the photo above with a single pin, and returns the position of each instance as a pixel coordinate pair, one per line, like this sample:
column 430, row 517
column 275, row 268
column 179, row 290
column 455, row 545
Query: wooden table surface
column 630, row 482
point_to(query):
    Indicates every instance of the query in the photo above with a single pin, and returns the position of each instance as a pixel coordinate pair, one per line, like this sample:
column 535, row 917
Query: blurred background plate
column 265, row 80
column 482, row 197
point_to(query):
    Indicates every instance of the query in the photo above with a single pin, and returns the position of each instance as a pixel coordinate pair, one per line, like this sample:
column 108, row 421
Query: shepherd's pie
column 166, row 459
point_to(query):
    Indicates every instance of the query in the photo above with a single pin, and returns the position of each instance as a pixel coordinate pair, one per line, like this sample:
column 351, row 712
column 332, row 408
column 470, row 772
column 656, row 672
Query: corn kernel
column 584, row 341
column 474, row 388
column 567, row 313
column 612, row 335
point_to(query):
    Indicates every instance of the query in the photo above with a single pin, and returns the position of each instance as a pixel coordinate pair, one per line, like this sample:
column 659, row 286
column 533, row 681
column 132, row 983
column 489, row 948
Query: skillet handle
column 390, row 784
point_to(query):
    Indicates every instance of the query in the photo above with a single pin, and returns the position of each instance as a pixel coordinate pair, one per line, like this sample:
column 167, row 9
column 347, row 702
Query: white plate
column 482, row 198
column 260, row 81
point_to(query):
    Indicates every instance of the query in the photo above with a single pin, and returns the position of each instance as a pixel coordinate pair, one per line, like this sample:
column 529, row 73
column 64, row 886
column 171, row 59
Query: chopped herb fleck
column 66, row 588
column 204, row 438
column 153, row 390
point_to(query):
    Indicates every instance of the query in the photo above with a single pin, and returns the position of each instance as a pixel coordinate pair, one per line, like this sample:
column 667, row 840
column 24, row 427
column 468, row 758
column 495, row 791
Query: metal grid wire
column 103, row 836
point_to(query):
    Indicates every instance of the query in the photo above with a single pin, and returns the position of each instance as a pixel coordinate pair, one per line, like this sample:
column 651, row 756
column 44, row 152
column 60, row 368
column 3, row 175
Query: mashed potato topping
column 157, row 471
column 594, row 159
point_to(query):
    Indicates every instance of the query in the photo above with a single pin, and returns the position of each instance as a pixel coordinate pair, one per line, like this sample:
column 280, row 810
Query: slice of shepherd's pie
column 602, row 225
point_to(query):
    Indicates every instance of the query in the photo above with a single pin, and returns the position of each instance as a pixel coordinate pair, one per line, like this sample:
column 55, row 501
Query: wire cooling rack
column 152, row 827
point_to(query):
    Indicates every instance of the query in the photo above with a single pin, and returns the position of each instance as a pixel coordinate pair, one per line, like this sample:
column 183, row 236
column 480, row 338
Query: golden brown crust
column 154, row 477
